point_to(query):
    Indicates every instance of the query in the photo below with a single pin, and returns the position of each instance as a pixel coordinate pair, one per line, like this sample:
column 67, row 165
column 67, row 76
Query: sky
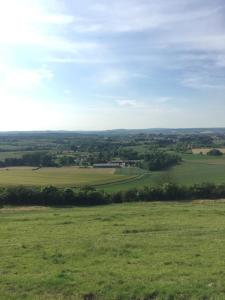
column 99, row 64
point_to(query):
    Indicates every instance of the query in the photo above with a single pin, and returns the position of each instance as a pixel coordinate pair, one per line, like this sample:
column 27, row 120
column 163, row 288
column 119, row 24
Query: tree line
column 89, row 196
column 35, row 159
column 153, row 160
column 159, row 160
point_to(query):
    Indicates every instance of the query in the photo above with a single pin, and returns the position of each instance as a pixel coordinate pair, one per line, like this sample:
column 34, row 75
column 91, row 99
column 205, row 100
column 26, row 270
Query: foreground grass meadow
column 125, row 251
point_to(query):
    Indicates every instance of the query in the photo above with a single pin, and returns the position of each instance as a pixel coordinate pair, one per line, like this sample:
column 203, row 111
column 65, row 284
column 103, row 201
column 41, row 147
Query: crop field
column 127, row 251
column 206, row 150
column 193, row 169
column 65, row 176
column 197, row 172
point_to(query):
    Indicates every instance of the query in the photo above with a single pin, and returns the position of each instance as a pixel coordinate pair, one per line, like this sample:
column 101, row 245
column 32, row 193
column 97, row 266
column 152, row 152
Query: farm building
column 121, row 163
column 131, row 162
column 107, row 165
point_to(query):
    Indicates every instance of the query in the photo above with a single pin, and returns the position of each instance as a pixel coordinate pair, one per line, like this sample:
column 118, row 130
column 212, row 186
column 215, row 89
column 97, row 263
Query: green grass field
column 129, row 251
column 193, row 169
column 65, row 176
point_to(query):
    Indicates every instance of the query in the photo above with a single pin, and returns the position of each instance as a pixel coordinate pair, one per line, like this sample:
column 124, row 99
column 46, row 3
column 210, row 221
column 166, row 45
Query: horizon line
column 113, row 129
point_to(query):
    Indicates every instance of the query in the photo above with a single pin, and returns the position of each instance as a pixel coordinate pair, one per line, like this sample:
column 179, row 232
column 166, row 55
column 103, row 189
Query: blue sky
column 93, row 65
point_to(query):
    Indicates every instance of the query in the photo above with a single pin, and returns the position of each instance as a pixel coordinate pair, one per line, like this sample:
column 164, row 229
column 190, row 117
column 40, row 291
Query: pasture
column 65, row 176
column 193, row 169
column 127, row 251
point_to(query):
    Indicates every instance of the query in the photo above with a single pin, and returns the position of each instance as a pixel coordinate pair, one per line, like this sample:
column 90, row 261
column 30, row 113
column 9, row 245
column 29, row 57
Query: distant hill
column 115, row 132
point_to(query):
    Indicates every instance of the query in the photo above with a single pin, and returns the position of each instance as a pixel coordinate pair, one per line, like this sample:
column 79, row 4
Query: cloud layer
column 128, row 63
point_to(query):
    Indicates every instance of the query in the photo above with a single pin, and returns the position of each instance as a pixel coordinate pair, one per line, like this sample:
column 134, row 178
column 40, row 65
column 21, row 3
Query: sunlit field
column 112, row 150
column 65, row 176
column 129, row 251
column 194, row 169
column 205, row 150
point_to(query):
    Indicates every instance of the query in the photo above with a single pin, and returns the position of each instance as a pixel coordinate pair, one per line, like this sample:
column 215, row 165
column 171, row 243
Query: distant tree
column 89, row 196
column 128, row 154
column 66, row 160
column 36, row 159
column 159, row 160
column 214, row 152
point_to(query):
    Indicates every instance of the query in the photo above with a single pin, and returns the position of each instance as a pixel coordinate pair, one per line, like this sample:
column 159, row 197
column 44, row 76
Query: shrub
column 53, row 196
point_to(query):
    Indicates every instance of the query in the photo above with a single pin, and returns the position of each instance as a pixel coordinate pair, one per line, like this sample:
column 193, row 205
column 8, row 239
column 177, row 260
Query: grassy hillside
column 130, row 251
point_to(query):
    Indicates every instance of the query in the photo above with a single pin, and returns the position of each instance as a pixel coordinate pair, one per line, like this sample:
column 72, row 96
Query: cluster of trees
column 215, row 152
column 171, row 192
column 88, row 196
column 197, row 140
column 159, row 160
column 36, row 159
column 66, row 160
column 96, row 144
column 52, row 196
column 128, row 154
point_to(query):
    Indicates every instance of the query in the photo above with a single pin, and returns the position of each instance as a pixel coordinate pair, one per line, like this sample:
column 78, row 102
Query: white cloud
column 28, row 23
column 154, row 103
column 25, row 79
column 54, row 19
column 116, row 77
column 127, row 103
column 19, row 113
column 135, row 48
column 75, row 60
column 135, row 15
column 112, row 77
column 200, row 41
column 163, row 99
column 201, row 80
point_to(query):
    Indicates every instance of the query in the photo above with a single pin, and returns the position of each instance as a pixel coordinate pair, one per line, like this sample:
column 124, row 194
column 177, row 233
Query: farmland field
column 193, row 169
column 128, row 251
column 65, row 176
column 206, row 150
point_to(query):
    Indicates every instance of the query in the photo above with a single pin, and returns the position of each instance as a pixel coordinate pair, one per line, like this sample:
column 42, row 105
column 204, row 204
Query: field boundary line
column 123, row 181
